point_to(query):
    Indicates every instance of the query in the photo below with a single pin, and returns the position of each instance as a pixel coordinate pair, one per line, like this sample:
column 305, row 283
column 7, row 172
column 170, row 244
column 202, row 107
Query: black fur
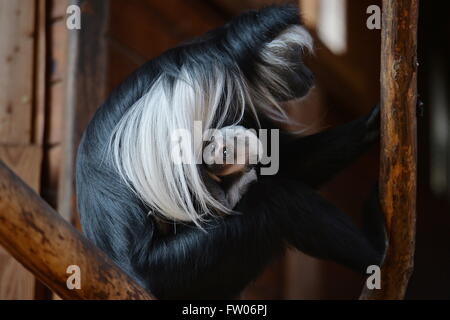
column 277, row 211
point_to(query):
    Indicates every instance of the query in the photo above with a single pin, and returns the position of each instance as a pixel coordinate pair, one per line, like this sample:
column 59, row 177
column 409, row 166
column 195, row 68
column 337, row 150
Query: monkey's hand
column 240, row 187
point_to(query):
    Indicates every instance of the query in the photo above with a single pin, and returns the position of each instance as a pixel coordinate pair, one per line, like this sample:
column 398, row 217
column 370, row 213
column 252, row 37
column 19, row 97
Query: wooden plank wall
column 32, row 109
column 142, row 29
column 55, row 102
column 22, row 97
column 85, row 82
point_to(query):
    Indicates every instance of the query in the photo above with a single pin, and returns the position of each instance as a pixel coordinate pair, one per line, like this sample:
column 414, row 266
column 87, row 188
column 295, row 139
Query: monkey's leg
column 315, row 159
column 314, row 226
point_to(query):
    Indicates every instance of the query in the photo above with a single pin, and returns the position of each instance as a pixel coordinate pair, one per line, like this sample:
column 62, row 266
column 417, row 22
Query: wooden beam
column 47, row 245
column 398, row 144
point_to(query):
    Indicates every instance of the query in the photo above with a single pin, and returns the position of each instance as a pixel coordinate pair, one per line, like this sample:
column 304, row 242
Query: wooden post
column 47, row 245
column 398, row 144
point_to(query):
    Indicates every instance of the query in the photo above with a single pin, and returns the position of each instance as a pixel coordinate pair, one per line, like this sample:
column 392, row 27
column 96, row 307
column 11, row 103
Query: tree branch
column 46, row 244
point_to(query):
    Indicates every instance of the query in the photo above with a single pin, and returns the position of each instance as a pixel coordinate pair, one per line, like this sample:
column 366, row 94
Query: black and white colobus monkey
column 128, row 186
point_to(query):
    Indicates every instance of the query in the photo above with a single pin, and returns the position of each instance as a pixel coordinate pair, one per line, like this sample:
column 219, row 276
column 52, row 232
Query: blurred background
column 52, row 79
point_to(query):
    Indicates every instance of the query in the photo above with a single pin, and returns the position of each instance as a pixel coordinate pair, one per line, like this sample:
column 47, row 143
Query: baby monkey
column 230, row 157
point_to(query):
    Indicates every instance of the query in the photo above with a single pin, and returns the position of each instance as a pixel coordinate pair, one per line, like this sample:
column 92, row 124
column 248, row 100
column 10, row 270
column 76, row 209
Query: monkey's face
column 232, row 150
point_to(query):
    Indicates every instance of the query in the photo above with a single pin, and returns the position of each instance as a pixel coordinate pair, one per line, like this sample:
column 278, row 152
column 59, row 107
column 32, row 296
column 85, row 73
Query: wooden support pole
column 398, row 144
column 47, row 245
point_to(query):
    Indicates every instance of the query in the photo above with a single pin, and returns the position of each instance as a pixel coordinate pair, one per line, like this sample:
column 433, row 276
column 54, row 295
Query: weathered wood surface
column 17, row 30
column 398, row 144
column 46, row 245
column 40, row 74
column 22, row 108
column 15, row 281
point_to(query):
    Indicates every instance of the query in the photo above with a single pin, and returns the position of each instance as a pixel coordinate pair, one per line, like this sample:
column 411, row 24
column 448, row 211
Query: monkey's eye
column 224, row 152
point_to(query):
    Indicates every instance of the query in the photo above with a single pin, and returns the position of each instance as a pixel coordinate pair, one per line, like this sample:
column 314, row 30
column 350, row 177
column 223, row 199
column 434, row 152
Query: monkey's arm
column 231, row 188
column 239, row 187
column 215, row 263
column 314, row 226
column 315, row 159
